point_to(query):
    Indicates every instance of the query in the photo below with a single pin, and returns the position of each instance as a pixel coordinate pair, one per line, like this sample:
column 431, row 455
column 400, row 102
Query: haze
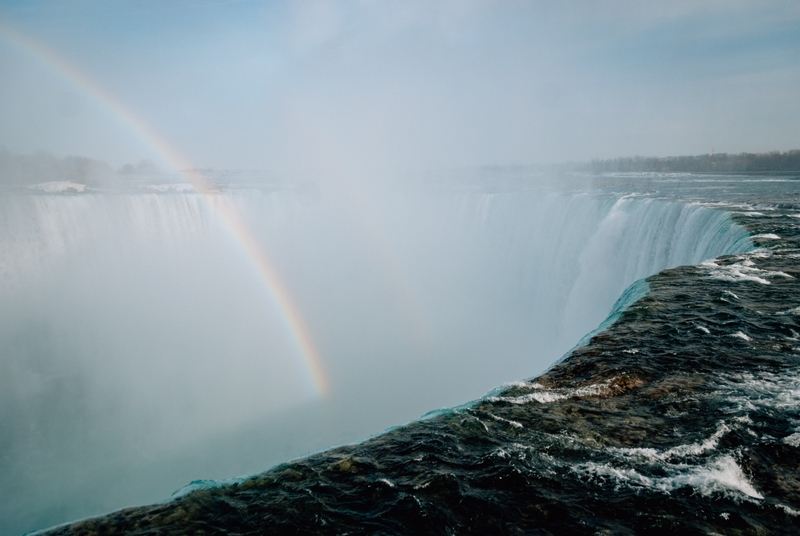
column 367, row 86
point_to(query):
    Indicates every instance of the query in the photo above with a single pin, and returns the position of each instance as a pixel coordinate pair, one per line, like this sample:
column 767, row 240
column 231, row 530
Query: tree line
column 43, row 167
column 774, row 161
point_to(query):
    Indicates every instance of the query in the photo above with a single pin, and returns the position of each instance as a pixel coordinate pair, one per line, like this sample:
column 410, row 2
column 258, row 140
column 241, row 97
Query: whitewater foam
column 543, row 395
column 747, row 391
column 743, row 271
column 719, row 475
column 652, row 455
column 793, row 440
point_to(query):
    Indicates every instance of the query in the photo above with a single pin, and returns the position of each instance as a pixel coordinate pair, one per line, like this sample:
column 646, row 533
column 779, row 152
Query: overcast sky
column 370, row 85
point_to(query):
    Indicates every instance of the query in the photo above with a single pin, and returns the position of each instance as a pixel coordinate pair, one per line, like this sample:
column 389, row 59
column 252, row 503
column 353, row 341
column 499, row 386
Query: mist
column 390, row 162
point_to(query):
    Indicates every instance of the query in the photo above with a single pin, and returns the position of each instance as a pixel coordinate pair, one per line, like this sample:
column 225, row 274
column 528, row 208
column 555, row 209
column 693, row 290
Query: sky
column 368, row 86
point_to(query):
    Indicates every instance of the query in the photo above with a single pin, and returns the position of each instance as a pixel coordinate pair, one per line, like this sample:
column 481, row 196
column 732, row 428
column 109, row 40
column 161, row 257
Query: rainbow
column 223, row 210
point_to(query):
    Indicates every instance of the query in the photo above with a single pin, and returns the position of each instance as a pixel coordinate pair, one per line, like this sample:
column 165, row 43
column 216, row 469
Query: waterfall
column 134, row 328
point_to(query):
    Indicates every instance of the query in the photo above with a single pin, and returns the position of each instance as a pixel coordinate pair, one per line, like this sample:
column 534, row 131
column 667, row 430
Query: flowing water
column 142, row 351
